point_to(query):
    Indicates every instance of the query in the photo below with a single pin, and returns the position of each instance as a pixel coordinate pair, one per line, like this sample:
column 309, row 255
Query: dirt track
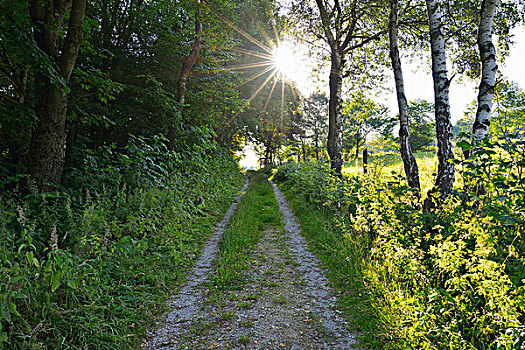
column 288, row 304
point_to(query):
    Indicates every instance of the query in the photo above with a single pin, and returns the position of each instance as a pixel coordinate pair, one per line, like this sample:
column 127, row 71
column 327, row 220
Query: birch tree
column 409, row 161
column 445, row 177
column 487, row 53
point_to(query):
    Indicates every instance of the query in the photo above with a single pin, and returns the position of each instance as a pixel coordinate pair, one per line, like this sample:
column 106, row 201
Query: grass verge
column 257, row 210
column 106, row 293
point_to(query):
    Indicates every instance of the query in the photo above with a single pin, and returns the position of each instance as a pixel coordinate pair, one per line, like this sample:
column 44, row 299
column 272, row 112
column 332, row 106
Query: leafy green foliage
column 90, row 265
column 510, row 117
column 451, row 277
column 361, row 117
column 422, row 126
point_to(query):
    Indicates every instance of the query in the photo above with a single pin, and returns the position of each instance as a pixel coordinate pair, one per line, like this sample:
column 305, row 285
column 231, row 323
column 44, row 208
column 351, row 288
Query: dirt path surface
column 287, row 303
column 185, row 306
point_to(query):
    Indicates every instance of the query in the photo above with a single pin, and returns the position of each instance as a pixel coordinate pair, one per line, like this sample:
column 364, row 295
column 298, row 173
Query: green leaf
column 12, row 308
column 22, row 246
column 55, row 281
column 19, row 295
column 6, row 314
column 30, row 256
column 72, row 284
column 465, row 145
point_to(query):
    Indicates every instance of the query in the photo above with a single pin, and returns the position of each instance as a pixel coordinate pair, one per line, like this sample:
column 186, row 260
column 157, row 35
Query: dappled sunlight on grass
column 385, row 166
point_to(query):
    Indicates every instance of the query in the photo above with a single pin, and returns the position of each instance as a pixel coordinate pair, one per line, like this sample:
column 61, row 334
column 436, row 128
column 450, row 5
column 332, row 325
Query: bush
column 86, row 267
column 450, row 278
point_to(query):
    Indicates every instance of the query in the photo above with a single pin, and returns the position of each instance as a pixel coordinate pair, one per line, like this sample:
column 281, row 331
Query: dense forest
column 122, row 123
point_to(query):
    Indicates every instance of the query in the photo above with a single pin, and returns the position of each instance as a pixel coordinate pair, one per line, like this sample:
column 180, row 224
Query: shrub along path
column 264, row 289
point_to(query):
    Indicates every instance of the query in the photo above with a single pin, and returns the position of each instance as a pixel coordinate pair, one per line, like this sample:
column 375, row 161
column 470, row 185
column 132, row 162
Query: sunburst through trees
column 274, row 63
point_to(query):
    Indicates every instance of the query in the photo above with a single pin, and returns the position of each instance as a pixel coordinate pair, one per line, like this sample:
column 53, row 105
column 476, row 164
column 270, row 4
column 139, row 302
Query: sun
column 287, row 61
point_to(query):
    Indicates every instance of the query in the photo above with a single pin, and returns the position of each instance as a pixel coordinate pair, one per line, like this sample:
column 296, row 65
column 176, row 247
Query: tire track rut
column 287, row 303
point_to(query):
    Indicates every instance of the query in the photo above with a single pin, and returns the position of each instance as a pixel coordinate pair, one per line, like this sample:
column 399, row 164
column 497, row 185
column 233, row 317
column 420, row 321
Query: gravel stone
column 287, row 304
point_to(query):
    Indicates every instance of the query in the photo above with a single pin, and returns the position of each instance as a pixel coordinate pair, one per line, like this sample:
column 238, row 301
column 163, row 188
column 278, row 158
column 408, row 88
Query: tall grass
column 389, row 166
column 89, row 269
column 450, row 277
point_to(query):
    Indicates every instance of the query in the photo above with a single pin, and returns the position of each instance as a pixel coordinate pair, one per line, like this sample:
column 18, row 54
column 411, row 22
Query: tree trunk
column 335, row 110
column 409, row 161
column 316, row 146
column 487, row 52
column 357, row 146
column 48, row 144
column 365, row 161
column 187, row 66
column 445, row 177
column 268, row 150
column 47, row 149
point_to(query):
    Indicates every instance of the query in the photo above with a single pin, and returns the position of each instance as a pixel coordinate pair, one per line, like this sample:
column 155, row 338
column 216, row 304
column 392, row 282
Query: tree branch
column 326, row 22
column 366, row 41
column 350, row 30
column 75, row 35
column 9, row 98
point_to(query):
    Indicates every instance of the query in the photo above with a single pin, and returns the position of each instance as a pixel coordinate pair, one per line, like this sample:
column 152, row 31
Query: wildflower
column 105, row 241
column 54, row 238
column 21, row 215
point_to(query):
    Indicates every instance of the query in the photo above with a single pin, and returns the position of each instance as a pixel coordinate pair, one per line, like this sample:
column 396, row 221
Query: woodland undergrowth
column 87, row 266
column 449, row 277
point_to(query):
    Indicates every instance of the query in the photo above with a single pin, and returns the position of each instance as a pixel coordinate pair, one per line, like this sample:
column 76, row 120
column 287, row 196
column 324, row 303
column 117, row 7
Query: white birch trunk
column 487, row 52
column 445, row 177
column 335, row 112
column 409, row 161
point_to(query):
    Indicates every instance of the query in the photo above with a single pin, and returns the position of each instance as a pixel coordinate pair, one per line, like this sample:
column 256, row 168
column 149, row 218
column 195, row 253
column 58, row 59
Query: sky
column 418, row 84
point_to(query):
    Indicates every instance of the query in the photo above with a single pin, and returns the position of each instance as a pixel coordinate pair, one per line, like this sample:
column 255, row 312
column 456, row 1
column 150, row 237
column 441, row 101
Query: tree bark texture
column 445, row 178
column 335, row 104
column 335, row 112
column 185, row 71
column 48, row 142
column 365, row 161
column 409, row 161
column 487, row 52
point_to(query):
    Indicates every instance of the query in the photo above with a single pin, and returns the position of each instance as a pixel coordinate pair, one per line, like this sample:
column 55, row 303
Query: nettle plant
column 449, row 277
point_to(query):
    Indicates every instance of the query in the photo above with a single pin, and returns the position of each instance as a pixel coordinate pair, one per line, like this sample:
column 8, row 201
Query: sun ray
column 274, row 26
column 240, row 31
column 278, row 59
column 249, row 100
column 249, row 65
column 252, row 53
column 261, row 87
column 266, row 70
column 270, row 94
column 262, row 31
